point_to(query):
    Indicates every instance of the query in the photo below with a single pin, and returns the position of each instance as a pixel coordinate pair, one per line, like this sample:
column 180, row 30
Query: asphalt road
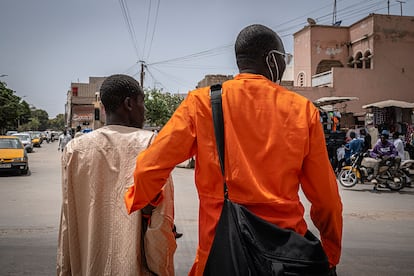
column 378, row 228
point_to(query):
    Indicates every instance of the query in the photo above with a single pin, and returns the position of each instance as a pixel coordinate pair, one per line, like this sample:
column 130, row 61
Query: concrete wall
column 316, row 44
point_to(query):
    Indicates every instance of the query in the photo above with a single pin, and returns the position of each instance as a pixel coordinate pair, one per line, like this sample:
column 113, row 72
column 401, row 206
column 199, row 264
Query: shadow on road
column 404, row 191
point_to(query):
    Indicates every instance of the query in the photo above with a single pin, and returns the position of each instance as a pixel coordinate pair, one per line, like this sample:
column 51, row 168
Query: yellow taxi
column 13, row 156
column 36, row 140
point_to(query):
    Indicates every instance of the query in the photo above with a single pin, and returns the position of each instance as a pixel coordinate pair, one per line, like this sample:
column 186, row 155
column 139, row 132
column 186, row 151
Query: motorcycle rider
column 356, row 144
column 382, row 151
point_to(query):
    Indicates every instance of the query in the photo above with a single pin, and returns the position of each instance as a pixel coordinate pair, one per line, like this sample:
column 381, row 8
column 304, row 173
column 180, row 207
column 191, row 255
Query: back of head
column 352, row 134
column 385, row 134
column 253, row 44
column 123, row 100
column 395, row 135
column 116, row 88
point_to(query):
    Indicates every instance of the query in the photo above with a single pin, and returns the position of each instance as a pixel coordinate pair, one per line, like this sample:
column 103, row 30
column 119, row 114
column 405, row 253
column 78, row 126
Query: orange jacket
column 274, row 144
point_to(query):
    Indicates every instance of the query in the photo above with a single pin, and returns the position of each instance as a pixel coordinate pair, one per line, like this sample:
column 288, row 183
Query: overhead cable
column 130, row 26
column 153, row 30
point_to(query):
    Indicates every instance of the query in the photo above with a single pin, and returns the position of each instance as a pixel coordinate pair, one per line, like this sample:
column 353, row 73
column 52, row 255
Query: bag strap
column 217, row 110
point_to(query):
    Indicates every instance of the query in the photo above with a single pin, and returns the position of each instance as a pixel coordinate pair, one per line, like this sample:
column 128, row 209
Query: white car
column 26, row 140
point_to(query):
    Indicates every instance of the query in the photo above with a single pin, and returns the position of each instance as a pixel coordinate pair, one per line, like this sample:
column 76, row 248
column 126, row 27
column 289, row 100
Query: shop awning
column 390, row 103
column 332, row 100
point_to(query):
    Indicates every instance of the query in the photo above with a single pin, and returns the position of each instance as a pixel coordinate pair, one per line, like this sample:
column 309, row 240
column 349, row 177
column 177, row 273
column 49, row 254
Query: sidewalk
column 186, row 219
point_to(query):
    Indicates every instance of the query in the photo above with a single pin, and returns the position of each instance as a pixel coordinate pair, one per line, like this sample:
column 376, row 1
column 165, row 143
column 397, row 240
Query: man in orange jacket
column 274, row 144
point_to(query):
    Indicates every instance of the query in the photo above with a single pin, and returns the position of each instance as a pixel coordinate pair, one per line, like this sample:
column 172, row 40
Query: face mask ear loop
column 277, row 69
column 270, row 69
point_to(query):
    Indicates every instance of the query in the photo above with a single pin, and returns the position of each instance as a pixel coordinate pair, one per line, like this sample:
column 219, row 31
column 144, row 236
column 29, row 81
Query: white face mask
column 287, row 58
column 272, row 54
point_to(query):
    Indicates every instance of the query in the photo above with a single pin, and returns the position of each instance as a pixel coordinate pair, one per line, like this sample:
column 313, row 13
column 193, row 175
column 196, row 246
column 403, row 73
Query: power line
column 130, row 26
column 210, row 52
column 344, row 13
column 146, row 28
column 153, row 30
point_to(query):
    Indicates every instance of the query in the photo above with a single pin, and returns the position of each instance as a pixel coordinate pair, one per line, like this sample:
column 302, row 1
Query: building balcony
column 324, row 79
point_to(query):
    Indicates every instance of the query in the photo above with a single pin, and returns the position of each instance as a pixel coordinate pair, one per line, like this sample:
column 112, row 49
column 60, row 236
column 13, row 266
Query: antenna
column 401, row 2
column 334, row 13
column 311, row 21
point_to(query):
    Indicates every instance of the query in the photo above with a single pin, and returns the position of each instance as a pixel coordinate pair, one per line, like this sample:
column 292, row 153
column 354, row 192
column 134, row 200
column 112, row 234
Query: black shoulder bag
column 245, row 244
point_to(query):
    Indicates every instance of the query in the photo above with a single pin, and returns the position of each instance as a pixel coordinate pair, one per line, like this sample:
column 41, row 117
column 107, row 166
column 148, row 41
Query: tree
column 42, row 118
column 24, row 113
column 58, row 122
column 9, row 106
column 160, row 107
column 34, row 124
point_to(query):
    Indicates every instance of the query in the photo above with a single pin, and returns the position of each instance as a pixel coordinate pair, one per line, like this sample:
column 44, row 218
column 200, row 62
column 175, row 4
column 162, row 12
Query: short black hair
column 352, row 134
column 116, row 88
column 254, row 42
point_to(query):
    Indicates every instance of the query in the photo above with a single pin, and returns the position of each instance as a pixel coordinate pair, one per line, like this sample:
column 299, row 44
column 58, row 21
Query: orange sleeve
column 321, row 189
column 175, row 140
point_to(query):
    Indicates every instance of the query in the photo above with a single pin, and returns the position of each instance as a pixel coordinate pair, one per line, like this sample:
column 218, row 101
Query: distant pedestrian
column 64, row 139
column 399, row 145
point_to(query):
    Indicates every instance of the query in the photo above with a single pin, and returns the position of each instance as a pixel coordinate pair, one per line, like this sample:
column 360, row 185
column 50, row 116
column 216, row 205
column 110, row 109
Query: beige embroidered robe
column 96, row 235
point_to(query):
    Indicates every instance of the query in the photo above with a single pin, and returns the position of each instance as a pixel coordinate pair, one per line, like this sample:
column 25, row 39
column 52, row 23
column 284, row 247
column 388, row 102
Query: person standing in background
column 64, row 139
column 399, row 145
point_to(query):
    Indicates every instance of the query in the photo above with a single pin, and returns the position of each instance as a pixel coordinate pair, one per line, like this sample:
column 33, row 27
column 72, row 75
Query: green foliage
column 160, row 107
column 24, row 113
column 42, row 117
column 34, row 124
column 58, row 122
column 16, row 114
column 9, row 106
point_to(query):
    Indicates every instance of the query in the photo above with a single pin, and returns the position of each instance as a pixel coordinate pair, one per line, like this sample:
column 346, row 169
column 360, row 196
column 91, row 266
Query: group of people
column 118, row 194
column 376, row 156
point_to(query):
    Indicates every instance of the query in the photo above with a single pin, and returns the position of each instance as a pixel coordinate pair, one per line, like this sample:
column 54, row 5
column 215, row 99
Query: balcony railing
column 322, row 79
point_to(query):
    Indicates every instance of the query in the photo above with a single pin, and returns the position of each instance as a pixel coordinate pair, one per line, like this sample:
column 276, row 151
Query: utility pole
column 142, row 73
column 401, row 2
column 334, row 13
column 388, row 5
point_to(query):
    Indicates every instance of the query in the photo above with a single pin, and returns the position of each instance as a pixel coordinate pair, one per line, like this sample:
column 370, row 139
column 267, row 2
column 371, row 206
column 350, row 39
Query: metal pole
column 401, row 2
column 388, row 5
column 142, row 74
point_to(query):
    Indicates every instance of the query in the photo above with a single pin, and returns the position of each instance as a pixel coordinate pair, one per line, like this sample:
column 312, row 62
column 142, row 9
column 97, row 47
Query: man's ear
column 128, row 104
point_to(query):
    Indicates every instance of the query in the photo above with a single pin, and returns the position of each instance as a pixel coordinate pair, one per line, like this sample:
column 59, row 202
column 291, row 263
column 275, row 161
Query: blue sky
column 47, row 44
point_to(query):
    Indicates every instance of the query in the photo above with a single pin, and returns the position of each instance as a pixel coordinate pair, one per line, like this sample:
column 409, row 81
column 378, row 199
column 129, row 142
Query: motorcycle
column 407, row 167
column 389, row 173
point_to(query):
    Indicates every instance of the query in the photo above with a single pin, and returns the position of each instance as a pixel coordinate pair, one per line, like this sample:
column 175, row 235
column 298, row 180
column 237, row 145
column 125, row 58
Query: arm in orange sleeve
column 321, row 189
column 174, row 144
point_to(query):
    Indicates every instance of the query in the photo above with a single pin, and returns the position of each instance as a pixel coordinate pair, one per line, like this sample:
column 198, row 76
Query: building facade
column 82, row 106
column 371, row 60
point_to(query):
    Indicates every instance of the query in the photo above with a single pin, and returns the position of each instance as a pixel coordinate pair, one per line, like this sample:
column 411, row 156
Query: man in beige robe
column 97, row 236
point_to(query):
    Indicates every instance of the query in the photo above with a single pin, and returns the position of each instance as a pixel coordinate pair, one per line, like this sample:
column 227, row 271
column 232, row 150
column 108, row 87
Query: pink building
column 372, row 59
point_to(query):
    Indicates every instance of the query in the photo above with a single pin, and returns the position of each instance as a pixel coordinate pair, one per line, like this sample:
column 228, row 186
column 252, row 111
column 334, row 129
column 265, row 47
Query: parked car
column 11, row 132
column 26, row 140
column 13, row 156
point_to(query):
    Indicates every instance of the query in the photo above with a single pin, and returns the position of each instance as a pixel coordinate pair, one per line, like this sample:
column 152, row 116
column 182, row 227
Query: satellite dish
column 311, row 21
